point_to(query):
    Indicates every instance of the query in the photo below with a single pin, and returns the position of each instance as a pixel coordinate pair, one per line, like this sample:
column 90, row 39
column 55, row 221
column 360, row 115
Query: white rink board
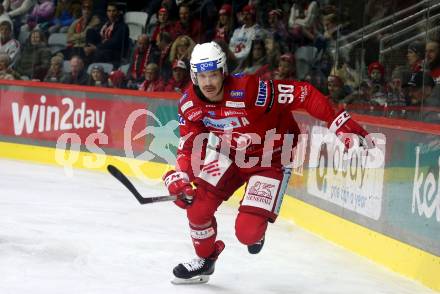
column 87, row 234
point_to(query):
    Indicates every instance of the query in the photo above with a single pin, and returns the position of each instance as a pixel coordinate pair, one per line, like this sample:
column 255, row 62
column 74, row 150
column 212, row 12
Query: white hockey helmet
column 207, row 57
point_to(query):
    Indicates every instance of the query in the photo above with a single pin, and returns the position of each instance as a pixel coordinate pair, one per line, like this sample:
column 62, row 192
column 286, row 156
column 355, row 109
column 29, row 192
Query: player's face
column 211, row 84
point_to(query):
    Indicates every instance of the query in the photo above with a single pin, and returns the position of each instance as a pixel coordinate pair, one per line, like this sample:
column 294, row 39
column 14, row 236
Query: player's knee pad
column 250, row 228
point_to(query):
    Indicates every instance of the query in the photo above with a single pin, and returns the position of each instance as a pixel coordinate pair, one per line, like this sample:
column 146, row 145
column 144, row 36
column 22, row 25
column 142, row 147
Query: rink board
column 390, row 214
column 396, row 255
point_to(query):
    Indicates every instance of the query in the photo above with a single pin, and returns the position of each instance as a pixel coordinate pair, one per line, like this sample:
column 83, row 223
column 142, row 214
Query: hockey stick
column 114, row 171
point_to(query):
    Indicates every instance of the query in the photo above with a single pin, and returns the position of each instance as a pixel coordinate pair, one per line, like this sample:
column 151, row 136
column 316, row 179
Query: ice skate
column 256, row 247
column 198, row 270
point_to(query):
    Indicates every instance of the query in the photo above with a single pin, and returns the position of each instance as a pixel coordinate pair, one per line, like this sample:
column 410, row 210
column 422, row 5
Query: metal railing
column 390, row 26
column 409, row 40
column 392, row 17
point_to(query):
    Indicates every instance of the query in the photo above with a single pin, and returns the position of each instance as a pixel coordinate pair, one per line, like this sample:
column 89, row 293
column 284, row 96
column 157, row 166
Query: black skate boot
column 256, row 247
column 199, row 269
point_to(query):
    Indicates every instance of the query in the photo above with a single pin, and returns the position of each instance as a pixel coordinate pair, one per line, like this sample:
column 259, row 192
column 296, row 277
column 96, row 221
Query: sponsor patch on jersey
column 184, row 96
column 304, row 93
column 235, row 104
column 232, row 112
column 181, row 120
column 206, row 66
column 237, row 94
column 194, row 114
column 186, row 105
column 262, row 94
column 222, row 124
column 211, row 113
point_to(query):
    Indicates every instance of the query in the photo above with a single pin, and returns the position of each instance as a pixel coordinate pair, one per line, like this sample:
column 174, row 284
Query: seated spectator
column 225, row 24
column 8, row 44
column 181, row 49
column 327, row 41
column 241, row 40
column 163, row 25
column 361, row 95
column 116, row 79
column 186, row 25
column 98, row 77
column 111, row 43
column 5, row 17
column 256, row 63
column 164, row 45
column 396, row 93
column 152, row 82
column 66, row 12
column 420, row 88
column 144, row 53
column 78, row 75
column 180, row 79
column 18, row 11
column 35, row 57
column 376, row 74
column 285, row 70
column 433, row 59
column 415, row 56
column 231, row 60
column 349, row 76
column 303, row 22
column 6, row 72
column 336, row 90
column 277, row 27
column 40, row 16
column 273, row 51
column 100, row 9
column 316, row 77
column 304, row 13
column 76, row 34
column 55, row 73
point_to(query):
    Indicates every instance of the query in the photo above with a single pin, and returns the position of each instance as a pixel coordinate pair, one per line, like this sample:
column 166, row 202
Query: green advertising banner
column 399, row 198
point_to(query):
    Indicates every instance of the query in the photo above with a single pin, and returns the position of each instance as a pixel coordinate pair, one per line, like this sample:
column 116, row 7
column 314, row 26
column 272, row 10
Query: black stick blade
column 114, row 171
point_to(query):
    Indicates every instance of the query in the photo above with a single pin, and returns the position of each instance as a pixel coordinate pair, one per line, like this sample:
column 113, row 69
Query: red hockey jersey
column 250, row 108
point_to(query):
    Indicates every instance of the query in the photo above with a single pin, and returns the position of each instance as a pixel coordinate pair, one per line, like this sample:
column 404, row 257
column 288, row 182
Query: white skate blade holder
column 202, row 279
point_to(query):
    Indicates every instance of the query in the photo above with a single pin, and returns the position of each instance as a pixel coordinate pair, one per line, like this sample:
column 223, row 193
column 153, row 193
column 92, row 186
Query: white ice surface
column 87, row 234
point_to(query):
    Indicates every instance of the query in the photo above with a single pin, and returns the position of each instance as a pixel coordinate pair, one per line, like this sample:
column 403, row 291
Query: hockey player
column 239, row 111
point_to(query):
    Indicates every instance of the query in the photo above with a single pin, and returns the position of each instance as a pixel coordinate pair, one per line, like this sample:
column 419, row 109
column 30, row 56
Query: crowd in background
column 272, row 39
